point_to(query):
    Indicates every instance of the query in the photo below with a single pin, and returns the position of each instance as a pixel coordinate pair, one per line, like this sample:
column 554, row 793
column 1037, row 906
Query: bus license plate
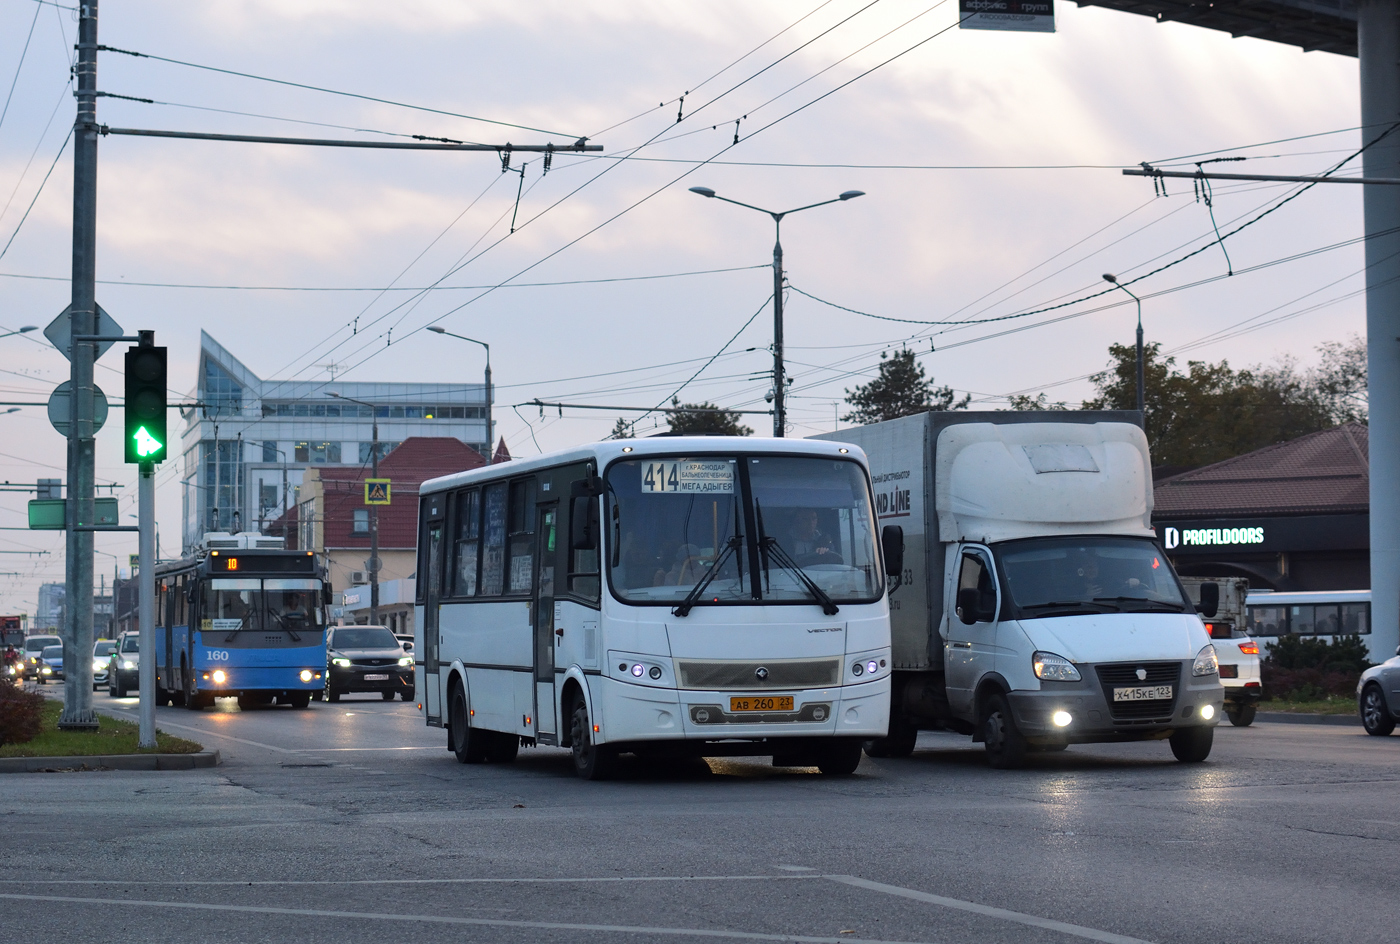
column 1143, row 693
column 376, row 678
column 763, row 703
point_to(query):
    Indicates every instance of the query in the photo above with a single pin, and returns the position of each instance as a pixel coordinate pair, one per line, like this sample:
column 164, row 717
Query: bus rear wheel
column 592, row 761
column 467, row 744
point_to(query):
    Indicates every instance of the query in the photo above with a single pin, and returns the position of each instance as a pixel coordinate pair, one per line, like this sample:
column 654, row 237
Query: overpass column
column 1378, row 41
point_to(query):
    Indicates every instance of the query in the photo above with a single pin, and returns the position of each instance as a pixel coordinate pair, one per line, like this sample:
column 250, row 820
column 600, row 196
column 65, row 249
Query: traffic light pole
column 146, row 661
column 77, row 621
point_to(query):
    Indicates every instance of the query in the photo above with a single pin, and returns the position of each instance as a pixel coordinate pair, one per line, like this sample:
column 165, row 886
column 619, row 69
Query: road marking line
column 185, row 727
column 451, row 920
column 423, row 881
column 1092, row 934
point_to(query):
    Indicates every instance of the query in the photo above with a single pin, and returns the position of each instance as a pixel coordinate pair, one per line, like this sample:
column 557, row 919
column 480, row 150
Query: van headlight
column 1052, row 668
column 1206, row 662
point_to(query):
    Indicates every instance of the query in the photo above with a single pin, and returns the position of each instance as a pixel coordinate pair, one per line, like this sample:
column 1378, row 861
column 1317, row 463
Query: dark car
column 50, row 664
column 123, row 674
column 366, row 659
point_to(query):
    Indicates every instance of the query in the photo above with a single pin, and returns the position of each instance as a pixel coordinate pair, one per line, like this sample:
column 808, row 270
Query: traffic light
column 145, row 404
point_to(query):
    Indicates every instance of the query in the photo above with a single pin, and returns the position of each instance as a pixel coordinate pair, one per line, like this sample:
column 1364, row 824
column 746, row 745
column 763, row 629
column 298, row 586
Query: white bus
column 1320, row 613
column 696, row 596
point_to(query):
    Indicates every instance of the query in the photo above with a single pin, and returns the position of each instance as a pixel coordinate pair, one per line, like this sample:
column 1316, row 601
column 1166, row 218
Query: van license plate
column 764, row 703
column 1143, row 693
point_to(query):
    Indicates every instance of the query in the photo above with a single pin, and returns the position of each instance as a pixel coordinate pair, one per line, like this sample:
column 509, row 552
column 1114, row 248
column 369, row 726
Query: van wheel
column 1375, row 714
column 1006, row 746
column 469, row 745
column 898, row 743
column 1241, row 716
column 591, row 761
column 1192, row 745
column 839, row 759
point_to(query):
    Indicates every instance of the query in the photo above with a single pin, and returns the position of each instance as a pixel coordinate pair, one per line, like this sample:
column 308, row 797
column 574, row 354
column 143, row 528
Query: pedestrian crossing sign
column 377, row 491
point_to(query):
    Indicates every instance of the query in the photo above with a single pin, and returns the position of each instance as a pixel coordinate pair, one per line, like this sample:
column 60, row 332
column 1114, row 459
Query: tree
column 900, row 389
column 1340, row 379
column 1210, row 412
column 1022, row 401
column 621, row 430
column 690, row 418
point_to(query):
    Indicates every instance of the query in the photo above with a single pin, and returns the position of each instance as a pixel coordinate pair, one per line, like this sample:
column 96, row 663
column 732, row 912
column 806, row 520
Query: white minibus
column 674, row 596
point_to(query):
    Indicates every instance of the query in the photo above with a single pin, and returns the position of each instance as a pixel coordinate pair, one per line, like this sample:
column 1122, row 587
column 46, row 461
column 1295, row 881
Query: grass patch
column 111, row 737
column 1327, row 705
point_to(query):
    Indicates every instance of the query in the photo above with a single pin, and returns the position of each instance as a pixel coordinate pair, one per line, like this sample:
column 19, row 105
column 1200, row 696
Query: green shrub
column 20, row 714
column 1346, row 654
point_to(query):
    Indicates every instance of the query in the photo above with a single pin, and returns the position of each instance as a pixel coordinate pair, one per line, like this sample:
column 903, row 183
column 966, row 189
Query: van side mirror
column 967, row 605
column 1210, row 600
column 892, row 543
column 583, row 523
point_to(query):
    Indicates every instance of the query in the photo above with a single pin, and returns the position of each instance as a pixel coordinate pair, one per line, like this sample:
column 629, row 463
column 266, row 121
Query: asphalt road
column 352, row 823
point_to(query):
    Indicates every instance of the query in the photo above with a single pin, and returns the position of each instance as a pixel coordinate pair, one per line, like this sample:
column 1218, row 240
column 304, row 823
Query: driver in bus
column 688, row 568
column 807, row 543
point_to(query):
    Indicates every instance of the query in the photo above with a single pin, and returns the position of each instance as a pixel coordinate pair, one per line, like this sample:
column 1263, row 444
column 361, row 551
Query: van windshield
column 1095, row 574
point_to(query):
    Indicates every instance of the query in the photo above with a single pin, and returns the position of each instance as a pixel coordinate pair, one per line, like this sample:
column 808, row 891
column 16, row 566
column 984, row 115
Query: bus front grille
column 749, row 674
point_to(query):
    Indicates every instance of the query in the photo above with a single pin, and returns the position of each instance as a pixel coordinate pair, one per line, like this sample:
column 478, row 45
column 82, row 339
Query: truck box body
column 990, row 483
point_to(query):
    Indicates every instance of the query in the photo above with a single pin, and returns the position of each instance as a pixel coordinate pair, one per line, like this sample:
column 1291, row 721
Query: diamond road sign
column 60, row 332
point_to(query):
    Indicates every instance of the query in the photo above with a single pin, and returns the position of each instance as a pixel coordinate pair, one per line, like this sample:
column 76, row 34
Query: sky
column 991, row 165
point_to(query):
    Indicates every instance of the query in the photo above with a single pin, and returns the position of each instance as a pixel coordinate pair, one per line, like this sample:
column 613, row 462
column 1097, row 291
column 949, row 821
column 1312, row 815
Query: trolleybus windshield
column 670, row 519
column 235, row 604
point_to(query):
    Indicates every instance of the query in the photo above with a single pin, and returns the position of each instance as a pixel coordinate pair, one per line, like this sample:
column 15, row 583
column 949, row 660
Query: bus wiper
column 771, row 545
column 693, row 597
column 1160, row 605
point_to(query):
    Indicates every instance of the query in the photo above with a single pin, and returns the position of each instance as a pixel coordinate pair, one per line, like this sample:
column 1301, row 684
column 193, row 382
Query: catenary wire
column 18, row 68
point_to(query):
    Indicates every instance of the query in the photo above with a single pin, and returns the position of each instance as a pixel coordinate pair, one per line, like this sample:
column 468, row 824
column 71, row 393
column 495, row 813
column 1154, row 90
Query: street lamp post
column 490, row 428
column 1141, row 399
column 373, row 512
column 25, row 330
column 779, row 380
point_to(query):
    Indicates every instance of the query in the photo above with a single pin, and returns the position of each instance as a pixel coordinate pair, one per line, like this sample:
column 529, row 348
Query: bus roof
column 607, row 451
column 1274, row 597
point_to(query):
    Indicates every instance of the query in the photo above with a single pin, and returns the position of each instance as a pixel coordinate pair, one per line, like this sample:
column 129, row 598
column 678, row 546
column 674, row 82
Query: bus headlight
column 638, row 670
column 306, row 675
column 219, row 677
column 1052, row 668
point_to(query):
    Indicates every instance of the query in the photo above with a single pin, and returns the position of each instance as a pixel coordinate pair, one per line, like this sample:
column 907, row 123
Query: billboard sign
column 1030, row 16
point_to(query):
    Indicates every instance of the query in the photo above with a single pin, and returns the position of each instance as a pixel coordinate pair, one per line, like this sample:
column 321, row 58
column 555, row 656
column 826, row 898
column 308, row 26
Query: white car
column 1238, row 655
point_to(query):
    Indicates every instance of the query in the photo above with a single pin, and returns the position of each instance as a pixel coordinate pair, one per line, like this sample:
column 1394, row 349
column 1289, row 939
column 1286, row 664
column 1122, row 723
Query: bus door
column 543, row 612
column 432, row 595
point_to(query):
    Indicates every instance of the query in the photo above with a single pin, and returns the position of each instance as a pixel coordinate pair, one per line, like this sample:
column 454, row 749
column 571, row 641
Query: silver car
column 1378, row 696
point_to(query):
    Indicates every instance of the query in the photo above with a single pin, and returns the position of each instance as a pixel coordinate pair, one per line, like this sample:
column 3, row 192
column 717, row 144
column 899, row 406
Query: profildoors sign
column 1029, row 16
column 1285, row 533
column 1172, row 538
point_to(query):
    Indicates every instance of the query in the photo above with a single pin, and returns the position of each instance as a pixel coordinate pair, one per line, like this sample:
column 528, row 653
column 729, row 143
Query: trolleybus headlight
column 343, row 663
column 306, row 675
column 1053, row 668
column 406, row 661
column 655, row 672
column 219, row 677
column 857, row 670
column 1207, row 712
column 1206, row 663
column 638, row 670
column 872, row 666
column 1061, row 718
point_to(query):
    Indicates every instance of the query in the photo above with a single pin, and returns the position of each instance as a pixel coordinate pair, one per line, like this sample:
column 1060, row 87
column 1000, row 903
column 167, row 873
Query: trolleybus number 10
column 774, row 703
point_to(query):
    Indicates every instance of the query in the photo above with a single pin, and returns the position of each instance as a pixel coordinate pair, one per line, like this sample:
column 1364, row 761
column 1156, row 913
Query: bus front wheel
column 840, row 759
column 468, row 745
column 592, row 761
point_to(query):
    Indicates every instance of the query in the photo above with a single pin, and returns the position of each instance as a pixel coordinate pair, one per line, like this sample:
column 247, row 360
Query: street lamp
column 373, row 512
column 779, row 381
column 490, row 428
column 25, row 330
column 1141, row 401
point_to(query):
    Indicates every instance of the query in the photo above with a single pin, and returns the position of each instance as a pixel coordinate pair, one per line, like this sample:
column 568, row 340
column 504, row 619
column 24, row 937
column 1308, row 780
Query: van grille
column 782, row 673
column 1120, row 674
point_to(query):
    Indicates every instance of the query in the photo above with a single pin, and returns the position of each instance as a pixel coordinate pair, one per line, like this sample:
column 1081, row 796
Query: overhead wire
column 20, row 67
column 63, row 147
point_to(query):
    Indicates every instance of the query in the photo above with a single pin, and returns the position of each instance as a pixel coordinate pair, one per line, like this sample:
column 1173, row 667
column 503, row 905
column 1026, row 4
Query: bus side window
column 522, row 535
column 177, row 601
column 161, row 601
column 1356, row 618
column 467, row 548
column 584, row 580
column 493, row 541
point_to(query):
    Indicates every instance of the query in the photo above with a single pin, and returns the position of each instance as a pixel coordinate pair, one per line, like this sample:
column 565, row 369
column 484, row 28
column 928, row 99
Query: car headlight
column 1206, row 663
column 343, row 663
column 46, row 670
column 405, row 661
column 1052, row 668
column 99, row 666
column 128, row 664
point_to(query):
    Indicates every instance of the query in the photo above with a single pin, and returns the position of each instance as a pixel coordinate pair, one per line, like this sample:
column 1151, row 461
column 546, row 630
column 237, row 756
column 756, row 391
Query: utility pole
column 77, row 635
column 373, row 509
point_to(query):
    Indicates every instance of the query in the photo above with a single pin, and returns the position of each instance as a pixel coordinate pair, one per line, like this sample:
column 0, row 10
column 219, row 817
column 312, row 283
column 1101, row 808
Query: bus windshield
column 675, row 521
column 1095, row 574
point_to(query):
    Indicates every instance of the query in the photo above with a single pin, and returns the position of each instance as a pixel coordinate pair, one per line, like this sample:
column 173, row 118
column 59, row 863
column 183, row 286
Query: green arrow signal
column 146, row 444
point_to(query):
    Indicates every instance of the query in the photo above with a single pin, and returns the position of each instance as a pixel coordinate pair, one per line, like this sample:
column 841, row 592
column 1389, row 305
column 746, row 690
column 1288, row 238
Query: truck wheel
column 469, row 745
column 1241, row 716
column 898, row 743
column 1375, row 714
column 1192, row 745
column 591, row 761
column 1006, row 746
column 839, row 759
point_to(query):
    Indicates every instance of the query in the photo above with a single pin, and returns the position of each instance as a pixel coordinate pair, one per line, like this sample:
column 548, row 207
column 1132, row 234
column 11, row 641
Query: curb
column 23, row 765
column 1289, row 717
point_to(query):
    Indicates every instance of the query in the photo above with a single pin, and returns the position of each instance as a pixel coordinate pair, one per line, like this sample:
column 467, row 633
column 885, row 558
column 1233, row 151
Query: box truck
column 1035, row 608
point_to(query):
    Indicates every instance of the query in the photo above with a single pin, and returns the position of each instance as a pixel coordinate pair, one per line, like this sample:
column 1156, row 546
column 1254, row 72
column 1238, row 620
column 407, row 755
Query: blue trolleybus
column 245, row 622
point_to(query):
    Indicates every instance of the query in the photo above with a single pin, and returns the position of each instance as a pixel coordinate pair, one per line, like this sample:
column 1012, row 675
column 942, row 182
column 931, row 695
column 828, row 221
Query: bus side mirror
column 1210, row 600
column 892, row 543
column 326, row 594
column 583, row 524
